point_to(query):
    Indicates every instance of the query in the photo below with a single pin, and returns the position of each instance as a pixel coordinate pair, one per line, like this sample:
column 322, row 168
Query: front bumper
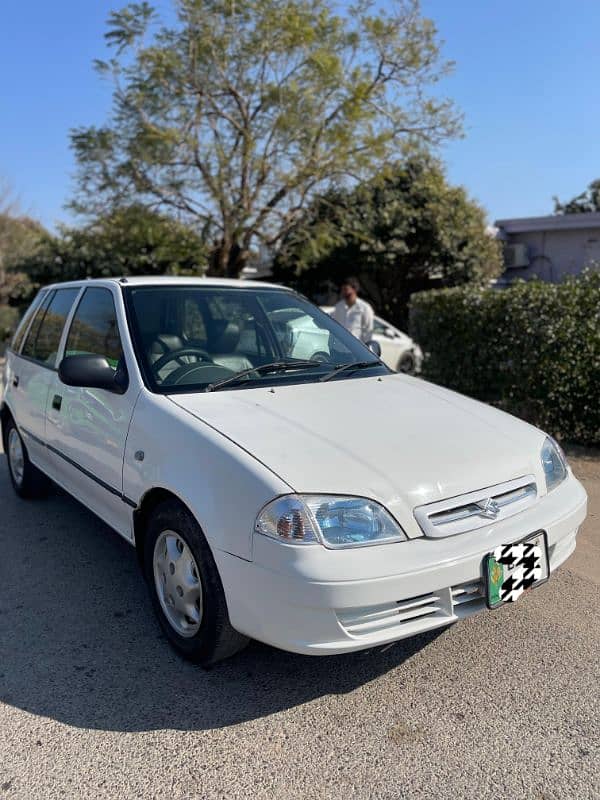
column 317, row 601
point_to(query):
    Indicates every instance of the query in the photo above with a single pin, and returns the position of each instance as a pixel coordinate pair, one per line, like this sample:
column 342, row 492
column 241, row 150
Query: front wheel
column 185, row 587
column 27, row 480
column 407, row 364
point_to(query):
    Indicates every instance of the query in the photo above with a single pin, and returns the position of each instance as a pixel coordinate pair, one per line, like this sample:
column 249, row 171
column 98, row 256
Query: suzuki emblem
column 488, row 508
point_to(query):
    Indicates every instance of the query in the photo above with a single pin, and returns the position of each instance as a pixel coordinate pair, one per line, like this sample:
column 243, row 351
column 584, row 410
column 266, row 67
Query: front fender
column 223, row 485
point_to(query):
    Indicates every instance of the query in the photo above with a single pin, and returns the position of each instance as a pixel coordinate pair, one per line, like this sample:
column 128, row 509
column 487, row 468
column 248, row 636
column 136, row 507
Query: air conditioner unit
column 516, row 255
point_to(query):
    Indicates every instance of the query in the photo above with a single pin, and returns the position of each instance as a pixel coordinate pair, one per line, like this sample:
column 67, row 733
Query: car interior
column 197, row 338
column 190, row 337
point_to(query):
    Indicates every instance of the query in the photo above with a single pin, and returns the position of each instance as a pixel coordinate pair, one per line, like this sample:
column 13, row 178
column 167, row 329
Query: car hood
column 396, row 439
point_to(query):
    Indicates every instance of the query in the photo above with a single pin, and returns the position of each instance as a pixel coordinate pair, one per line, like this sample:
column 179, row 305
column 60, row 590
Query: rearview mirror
column 92, row 372
column 374, row 347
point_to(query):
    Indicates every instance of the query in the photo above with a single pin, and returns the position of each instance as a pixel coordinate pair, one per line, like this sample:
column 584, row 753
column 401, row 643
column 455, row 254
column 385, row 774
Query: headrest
column 166, row 343
column 225, row 338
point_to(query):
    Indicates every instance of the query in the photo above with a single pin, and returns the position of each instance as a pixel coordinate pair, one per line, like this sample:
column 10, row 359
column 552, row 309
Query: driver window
column 94, row 330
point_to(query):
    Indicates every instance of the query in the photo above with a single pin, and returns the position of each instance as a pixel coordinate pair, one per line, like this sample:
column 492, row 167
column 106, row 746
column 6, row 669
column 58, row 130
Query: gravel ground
column 94, row 703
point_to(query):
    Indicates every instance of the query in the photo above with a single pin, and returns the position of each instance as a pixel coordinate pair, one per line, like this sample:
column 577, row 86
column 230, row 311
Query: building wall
column 555, row 254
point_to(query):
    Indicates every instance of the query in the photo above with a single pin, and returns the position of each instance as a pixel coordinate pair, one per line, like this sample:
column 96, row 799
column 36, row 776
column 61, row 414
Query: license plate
column 513, row 569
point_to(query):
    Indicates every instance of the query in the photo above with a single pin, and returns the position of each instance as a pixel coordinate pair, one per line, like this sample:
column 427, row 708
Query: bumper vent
column 475, row 510
column 375, row 619
column 467, row 598
column 415, row 614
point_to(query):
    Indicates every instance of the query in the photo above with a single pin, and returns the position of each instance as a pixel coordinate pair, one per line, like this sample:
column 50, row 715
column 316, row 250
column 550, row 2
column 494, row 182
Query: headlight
column 554, row 463
column 332, row 521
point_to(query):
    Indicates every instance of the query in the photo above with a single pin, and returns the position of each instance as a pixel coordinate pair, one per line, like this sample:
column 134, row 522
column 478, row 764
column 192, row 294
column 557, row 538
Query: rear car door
column 33, row 368
column 87, row 428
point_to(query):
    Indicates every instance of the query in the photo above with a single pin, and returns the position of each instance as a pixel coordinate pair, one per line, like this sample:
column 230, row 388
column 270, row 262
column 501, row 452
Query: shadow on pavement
column 79, row 642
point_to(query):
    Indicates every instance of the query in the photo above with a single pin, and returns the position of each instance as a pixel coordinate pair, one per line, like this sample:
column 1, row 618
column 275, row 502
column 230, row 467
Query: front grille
column 475, row 510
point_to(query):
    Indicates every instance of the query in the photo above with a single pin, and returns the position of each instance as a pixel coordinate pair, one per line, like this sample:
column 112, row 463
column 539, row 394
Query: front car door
column 87, row 428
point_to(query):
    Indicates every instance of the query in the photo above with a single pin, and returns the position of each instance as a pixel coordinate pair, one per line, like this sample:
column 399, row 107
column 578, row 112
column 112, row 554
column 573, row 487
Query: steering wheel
column 176, row 355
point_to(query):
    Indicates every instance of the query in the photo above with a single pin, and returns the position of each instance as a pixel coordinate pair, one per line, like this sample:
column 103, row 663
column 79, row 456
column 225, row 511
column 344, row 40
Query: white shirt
column 358, row 318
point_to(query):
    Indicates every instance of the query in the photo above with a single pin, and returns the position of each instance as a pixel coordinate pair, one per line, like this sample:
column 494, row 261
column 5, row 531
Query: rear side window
column 24, row 324
column 44, row 335
column 94, row 330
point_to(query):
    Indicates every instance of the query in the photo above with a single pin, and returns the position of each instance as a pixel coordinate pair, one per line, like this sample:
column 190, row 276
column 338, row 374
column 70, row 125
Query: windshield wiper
column 275, row 366
column 348, row 367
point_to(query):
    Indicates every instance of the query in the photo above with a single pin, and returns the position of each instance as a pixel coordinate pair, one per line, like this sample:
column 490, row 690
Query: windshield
column 194, row 338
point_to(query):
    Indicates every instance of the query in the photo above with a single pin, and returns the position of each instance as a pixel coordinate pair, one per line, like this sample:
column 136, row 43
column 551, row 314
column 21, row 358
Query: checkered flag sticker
column 525, row 564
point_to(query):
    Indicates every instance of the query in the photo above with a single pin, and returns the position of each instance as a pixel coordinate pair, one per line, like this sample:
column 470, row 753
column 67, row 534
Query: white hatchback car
column 398, row 350
column 277, row 481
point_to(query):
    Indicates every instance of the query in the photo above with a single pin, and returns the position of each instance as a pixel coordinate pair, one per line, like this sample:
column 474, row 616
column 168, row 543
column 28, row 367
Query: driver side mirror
column 93, row 372
column 390, row 333
column 374, row 347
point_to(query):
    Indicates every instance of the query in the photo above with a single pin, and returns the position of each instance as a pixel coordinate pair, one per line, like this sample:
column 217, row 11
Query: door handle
column 16, row 380
column 56, row 402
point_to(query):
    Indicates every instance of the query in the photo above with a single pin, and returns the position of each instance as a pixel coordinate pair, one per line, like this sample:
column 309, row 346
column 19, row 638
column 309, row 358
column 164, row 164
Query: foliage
column 239, row 111
column 402, row 232
column 20, row 236
column 584, row 203
column 532, row 349
column 129, row 241
column 9, row 318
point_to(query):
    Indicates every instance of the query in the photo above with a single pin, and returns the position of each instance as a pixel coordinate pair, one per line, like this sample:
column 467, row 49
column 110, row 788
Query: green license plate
column 513, row 569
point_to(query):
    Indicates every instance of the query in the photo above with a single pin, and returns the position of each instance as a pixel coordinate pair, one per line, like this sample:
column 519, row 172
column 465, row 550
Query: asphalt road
column 94, row 704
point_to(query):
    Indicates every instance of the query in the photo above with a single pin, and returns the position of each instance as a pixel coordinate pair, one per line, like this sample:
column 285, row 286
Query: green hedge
column 532, row 349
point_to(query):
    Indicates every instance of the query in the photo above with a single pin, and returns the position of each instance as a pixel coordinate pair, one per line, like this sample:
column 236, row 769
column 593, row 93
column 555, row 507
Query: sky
column 526, row 79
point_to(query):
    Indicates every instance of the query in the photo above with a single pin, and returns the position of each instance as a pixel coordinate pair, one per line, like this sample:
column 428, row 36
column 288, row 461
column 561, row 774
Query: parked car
column 398, row 350
column 276, row 479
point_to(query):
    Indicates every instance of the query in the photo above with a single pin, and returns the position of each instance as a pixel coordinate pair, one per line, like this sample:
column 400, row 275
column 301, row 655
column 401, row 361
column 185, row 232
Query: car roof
column 167, row 280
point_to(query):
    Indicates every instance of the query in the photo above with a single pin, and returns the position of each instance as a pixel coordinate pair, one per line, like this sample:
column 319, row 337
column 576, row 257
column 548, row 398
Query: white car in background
column 277, row 480
column 398, row 350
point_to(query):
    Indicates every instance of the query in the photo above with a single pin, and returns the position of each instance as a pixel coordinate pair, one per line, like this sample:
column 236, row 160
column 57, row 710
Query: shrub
column 532, row 350
column 9, row 318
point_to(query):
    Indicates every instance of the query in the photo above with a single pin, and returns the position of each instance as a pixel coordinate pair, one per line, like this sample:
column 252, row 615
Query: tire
column 27, row 480
column 406, row 364
column 185, row 587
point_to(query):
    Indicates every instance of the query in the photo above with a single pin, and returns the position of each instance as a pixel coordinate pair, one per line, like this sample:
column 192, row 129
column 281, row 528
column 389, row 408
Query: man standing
column 354, row 314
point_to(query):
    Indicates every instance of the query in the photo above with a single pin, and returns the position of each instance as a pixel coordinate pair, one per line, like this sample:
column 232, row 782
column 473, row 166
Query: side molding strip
column 81, row 469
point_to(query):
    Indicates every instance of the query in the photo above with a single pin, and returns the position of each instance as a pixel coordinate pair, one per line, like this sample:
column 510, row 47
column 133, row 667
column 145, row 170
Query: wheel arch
column 408, row 352
column 5, row 415
column 149, row 502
